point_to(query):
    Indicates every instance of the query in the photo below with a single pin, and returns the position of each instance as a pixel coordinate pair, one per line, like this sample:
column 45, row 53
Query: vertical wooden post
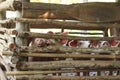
column 106, row 32
column 117, row 0
column 2, row 14
column 26, row 0
column 115, row 31
column 20, row 27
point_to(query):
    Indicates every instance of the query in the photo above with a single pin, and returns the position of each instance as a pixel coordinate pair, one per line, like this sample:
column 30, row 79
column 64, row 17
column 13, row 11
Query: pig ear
column 65, row 33
column 50, row 32
column 44, row 40
column 72, row 43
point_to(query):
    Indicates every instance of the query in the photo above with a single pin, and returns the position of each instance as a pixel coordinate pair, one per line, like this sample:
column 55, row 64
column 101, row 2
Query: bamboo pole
column 61, row 55
column 67, row 64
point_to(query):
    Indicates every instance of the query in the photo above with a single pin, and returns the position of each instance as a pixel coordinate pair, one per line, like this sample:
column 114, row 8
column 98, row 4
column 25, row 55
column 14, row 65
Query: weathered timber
column 43, row 77
column 68, row 23
column 10, row 5
column 87, row 12
column 67, row 64
column 11, row 43
column 6, row 21
column 20, row 27
column 43, row 72
column 62, row 55
column 56, row 71
column 8, row 31
column 55, row 36
column 50, row 23
column 58, row 48
column 44, row 10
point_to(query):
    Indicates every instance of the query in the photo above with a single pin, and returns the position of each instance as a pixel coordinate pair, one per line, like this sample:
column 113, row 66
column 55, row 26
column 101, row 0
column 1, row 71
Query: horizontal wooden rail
column 55, row 36
column 84, row 33
column 67, row 24
column 69, row 49
column 44, row 72
column 87, row 12
column 43, row 77
column 72, row 70
column 50, row 23
column 63, row 55
column 67, row 64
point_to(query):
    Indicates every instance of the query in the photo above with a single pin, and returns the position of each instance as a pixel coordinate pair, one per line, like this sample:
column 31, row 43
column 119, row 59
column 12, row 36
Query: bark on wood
column 87, row 12
column 55, row 36
column 10, row 5
column 67, row 64
column 6, row 21
column 20, row 27
column 62, row 55
column 49, row 23
column 43, row 77
column 41, row 72
column 8, row 31
column 56, row 71
column 68, row 23
column 11, row 43
column 68, row 49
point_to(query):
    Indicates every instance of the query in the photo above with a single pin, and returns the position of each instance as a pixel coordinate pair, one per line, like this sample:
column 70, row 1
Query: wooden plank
column 44, row 10
column 45, row 65
column 86, row 12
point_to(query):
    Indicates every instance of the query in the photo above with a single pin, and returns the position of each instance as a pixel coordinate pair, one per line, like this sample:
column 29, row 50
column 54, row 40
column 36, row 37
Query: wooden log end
column 14, row 32
column 17, row 5
column 12, row 46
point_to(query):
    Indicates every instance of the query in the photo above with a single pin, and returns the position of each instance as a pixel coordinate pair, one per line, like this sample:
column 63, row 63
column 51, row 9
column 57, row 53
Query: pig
column 50, row 41
column 38, row 42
